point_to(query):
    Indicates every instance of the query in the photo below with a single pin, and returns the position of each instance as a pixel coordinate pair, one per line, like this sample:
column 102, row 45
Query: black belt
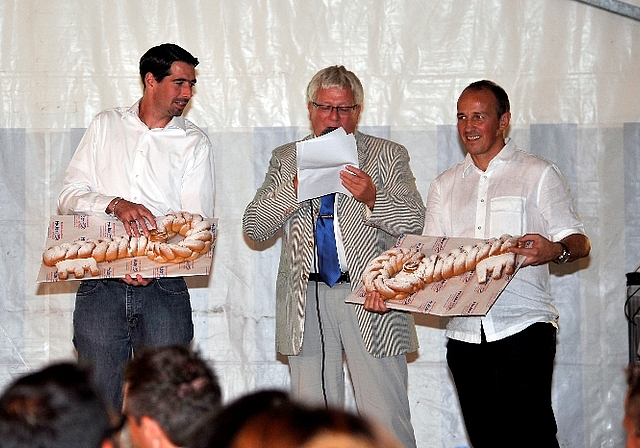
column 315, row 277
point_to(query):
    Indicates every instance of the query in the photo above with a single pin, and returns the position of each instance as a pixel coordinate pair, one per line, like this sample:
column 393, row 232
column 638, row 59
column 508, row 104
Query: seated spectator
column 168, row 391
column 631, row 420
column 56, row 407
column 271, row 419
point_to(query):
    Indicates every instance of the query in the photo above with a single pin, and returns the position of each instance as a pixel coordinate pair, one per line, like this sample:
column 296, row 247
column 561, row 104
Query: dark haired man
column 56, row 407
column 169, row 392
column 135, row 164
column 502, row 363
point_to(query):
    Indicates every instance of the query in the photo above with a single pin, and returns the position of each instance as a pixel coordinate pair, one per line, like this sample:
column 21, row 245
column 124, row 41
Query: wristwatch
column 564, row 256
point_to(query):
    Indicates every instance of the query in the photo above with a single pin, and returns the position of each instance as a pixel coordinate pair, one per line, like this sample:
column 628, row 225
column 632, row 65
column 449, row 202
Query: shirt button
column 479, row 227
column 481, row 200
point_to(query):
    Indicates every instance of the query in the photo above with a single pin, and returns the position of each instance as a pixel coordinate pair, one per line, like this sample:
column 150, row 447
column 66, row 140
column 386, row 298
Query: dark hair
column 55, row 407
column 158, row 60
column 502, row 99
column 175, row 387
column 269, row 418
column 221, row 428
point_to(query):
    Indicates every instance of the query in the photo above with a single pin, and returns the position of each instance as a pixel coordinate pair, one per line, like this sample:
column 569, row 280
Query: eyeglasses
column 343, row 111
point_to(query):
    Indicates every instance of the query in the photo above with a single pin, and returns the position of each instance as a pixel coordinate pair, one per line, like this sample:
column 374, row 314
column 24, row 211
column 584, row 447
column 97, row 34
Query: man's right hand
column 136, row 218
column 374, row 303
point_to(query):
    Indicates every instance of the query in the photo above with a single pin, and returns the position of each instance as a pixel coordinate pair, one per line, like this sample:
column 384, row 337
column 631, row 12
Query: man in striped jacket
column 315, row 327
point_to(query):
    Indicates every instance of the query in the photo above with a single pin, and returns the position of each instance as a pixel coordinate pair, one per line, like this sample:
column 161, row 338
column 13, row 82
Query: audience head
column 631, row 420
column 168, row 391
column 57, row 407
column 270, row 419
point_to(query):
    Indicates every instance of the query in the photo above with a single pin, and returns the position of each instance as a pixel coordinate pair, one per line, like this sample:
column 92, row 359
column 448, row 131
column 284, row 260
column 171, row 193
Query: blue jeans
column 113, row 320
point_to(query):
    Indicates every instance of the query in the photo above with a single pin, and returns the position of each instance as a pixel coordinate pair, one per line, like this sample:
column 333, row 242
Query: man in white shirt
column 135, row 164
column 502, row 364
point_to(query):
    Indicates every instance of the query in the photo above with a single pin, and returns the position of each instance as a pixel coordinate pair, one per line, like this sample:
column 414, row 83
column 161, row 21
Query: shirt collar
column 174, row 123
column 504, row 155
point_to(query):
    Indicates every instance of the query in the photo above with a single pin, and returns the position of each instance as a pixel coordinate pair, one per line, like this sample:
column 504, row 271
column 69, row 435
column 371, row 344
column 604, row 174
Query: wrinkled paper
column 320, row 161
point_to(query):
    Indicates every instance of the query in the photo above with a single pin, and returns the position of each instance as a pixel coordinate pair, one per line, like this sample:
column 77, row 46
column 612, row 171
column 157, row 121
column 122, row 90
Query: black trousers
column 504, row 388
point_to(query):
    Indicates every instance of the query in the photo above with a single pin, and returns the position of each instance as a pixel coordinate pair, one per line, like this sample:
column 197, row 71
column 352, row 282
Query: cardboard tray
column 70, row 228
column 458, row 296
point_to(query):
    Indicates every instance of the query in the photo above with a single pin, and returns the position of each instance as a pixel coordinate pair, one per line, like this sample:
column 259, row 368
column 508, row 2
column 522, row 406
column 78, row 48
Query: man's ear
column 504, row 121
column 152, row 431
column 149, row 80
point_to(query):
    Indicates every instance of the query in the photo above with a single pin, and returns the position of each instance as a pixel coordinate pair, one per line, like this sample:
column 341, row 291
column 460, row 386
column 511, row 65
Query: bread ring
column 198, row 240
column 398, row 272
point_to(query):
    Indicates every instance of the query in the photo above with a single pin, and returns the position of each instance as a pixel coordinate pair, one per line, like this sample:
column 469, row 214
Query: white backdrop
column 571, row 71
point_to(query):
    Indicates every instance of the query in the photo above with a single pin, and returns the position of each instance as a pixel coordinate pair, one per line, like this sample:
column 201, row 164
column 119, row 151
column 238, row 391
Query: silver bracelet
column 113, row 208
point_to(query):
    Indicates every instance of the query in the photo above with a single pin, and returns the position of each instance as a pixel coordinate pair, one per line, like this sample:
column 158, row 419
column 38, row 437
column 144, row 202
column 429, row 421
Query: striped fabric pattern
column 399, row 209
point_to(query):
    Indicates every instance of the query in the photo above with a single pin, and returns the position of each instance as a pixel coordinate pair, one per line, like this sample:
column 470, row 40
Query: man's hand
column 359, row 185
column 136, row 218
column 543, row 251
column 138, row 281
column 540, row 250
column 374, row 302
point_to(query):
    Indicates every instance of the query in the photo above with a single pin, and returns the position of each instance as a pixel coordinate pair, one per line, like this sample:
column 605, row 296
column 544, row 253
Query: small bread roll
column 123, row 247
column 52, row 255
column 470, row 263
column 166, row 252
column 86, row 249
column 180, row 251
column 447, row 266
column 143, row 242
column 383, row 289
column 437, row 270
column 72, row 251
column 112, row 250
column 100, row 251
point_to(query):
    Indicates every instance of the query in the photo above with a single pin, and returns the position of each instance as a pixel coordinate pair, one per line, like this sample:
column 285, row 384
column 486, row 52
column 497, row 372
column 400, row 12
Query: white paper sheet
column 320, row 161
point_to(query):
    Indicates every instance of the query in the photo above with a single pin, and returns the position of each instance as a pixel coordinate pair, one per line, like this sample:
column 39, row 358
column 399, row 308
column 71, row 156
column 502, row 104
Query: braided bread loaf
column 398, row 272
column 197, row 241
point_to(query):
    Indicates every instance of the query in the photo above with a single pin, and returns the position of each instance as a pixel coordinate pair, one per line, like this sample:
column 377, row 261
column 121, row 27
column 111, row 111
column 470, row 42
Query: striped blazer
column 398, row 209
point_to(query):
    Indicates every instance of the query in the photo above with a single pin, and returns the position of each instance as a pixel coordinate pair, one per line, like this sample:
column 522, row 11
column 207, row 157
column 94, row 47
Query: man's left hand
column 138, row 281
column 540, row 250
column 359, row 185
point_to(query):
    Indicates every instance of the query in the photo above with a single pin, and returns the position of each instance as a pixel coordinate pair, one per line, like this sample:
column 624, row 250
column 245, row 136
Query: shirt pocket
column 507, row 215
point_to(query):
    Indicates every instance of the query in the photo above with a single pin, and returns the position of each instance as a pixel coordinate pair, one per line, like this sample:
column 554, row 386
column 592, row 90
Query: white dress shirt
column 166, row 169
column 519, row 193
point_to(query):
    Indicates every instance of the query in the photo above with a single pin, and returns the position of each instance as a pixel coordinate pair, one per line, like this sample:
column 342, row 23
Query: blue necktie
column 328, row 264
